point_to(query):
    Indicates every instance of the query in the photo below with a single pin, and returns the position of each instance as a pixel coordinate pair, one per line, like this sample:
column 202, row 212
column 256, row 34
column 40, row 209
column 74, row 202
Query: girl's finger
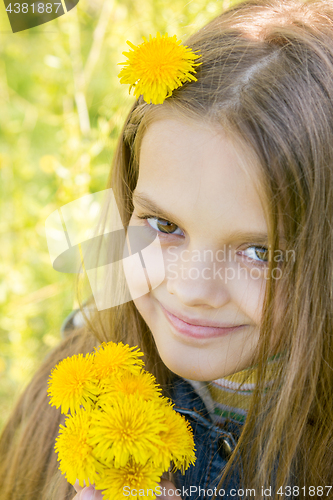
column 168, row 491
column 77, row 486
column 88, row 493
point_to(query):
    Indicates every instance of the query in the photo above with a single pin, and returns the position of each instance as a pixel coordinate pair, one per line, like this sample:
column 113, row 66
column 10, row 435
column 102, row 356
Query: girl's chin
column 191, row 370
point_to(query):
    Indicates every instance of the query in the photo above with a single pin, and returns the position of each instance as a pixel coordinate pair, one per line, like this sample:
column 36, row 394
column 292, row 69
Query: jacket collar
column 189, row 403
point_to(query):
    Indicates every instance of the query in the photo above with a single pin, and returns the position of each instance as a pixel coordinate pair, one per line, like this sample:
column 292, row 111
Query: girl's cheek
column 147, row 309
column 145, row 269
column 245, row 284
column 249, row 292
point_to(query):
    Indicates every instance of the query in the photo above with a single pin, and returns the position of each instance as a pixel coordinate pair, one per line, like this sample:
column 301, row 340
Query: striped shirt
column 230, row 397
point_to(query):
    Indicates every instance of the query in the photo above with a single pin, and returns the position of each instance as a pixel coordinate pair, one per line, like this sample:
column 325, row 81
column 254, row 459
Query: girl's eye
column 160, row 225
column 258, row 254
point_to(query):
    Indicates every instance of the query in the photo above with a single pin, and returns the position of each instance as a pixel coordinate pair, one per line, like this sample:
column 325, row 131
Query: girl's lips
column 198, row 332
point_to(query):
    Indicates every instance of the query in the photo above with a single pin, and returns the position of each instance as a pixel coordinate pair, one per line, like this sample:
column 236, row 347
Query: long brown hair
column 266, row 78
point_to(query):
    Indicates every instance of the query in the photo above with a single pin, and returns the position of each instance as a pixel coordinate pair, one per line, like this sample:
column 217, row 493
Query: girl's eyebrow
column 151, row 206
column 146, row 203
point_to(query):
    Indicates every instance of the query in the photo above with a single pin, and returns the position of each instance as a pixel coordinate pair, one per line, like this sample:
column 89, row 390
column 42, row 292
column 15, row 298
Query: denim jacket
column 213, row 447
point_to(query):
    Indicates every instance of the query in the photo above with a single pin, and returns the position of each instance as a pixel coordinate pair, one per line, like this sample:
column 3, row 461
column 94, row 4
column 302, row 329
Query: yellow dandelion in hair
column 158, row 66
column 111, row 358
column 131, row 426
column 116, row 483
column 144, row 385
column 73, row 383
column 74, row 452
column 177, row 442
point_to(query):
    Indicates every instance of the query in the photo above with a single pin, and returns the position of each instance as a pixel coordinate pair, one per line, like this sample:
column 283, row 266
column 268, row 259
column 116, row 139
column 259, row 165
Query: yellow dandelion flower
column 158, row 66
column 73, row 383
column 131, row 426
column 111, row 358
column 178, row 444
column 143, row 478
column 74, row 452
column 144, row 384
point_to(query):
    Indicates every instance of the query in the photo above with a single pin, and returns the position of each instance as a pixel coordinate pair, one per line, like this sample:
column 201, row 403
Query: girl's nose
column 199, row 281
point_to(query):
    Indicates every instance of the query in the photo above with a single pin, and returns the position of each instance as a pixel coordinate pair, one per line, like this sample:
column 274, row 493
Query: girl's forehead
column 197, row 169
column 184, row 138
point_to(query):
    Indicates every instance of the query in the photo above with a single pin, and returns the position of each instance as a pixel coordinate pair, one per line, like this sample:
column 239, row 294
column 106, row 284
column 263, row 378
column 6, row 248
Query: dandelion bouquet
column 120, row 432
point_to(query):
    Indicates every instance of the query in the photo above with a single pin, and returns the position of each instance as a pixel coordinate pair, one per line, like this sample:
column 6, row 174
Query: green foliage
column 62, row 108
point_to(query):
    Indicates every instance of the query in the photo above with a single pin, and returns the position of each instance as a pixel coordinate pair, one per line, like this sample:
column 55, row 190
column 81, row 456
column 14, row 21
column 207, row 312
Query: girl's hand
column 89, row 493
column 86, row 493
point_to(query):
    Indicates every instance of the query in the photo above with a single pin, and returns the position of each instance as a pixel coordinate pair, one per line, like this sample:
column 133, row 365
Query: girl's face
column 212, row 233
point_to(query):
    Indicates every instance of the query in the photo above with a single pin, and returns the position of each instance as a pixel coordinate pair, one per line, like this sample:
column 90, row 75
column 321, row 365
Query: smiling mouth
column 198, row 331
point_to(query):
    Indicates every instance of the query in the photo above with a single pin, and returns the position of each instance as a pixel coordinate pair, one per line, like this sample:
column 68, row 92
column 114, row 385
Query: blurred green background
column 62, row 108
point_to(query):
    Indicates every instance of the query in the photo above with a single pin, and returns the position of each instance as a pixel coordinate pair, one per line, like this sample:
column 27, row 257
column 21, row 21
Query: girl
column 234, row 172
